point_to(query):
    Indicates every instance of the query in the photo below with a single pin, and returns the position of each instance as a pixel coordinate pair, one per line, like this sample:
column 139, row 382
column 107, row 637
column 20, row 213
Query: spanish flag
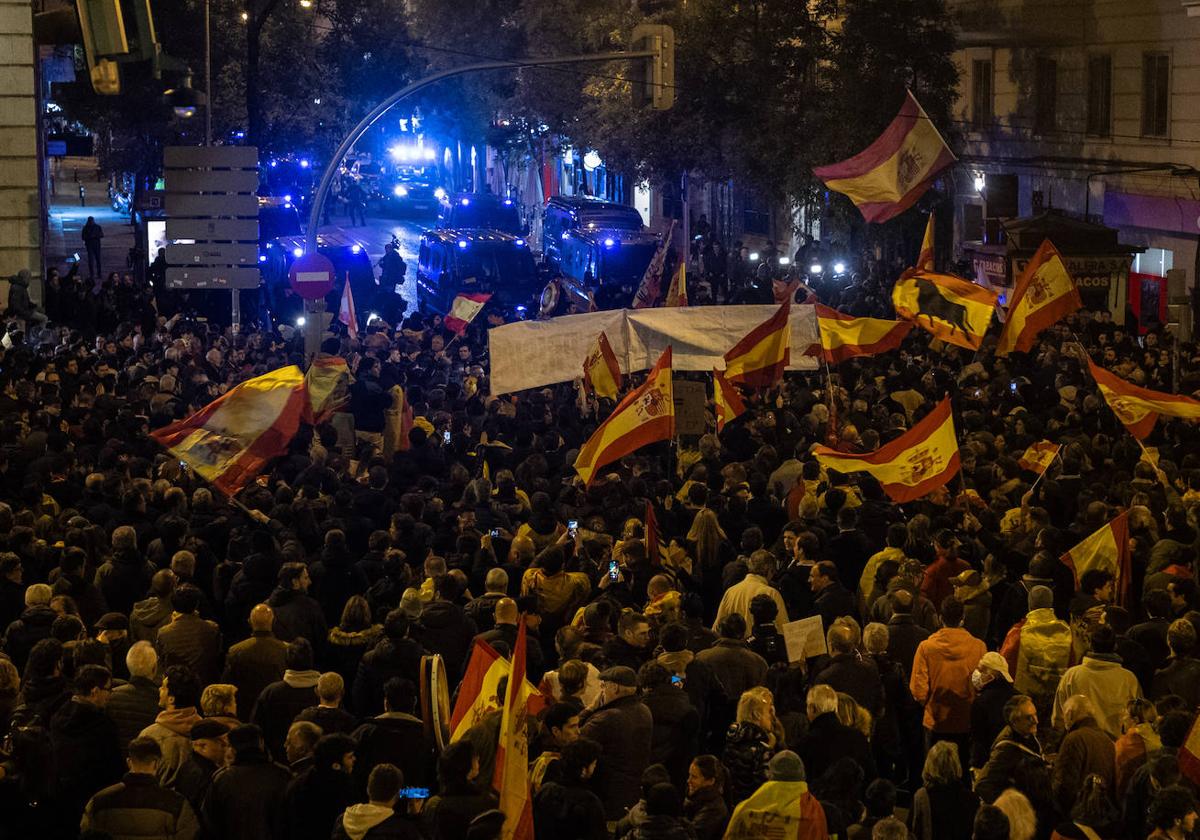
column 887, row 177
column 728, row 400
column 1039, row 456
column 646, row 415
column 1045, row 294
column 477, row 692
column 512, row 753
column 925, row 258
column 647, row 290
column 677, row 291
column 230, row 440
column 844, row 336
column 463, row 309
column 328, row 383
column 346, row 312
column 951, row 308
column 759, row 359
column 1138, row 408
column 600, row 369
column 913, row 465
column 1106, row 549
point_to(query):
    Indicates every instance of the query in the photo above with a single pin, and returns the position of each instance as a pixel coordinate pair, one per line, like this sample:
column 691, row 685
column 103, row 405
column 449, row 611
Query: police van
column 452, row 261
column 598, row 247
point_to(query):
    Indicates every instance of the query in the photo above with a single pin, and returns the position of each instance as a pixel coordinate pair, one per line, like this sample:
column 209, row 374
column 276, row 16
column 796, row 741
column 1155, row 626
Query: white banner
column 530, row 354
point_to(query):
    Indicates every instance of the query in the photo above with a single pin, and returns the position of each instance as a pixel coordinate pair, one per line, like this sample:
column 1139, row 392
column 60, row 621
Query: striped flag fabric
column 1138, row 408
column 1044, row 295
column 677, row 291
column 1107, row 549
column 727, row 399
column 463, row 309
column 925, row 258
column 646, row 415
column 1039, row 456
column 759, row 359
column 328, row 383
column 647, row 291
column 230, row 440
column 913, row 465
column 346, row 313
column 887, row 177
column 844, row 336
column 478, row 688
column 512, row 752
column 948, row 307
column 601, row 372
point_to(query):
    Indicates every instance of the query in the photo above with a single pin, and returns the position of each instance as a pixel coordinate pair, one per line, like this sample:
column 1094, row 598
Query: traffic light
column 654, row 77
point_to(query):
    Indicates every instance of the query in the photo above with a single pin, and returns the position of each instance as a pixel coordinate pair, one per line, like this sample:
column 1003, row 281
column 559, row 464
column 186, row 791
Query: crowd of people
column 178, row 665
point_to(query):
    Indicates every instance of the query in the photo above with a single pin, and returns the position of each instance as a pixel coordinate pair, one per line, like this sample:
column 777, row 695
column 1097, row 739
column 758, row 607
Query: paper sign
column 804, row 638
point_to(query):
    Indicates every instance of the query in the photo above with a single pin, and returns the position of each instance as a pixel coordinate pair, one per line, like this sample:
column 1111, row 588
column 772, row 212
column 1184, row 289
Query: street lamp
column 184, row 100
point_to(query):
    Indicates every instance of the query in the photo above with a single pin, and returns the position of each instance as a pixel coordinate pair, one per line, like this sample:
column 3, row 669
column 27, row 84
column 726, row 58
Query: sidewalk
column 67, row 217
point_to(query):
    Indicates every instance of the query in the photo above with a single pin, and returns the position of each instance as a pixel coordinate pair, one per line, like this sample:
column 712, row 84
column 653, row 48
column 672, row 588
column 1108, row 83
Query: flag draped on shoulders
column 230, row 440
column 512, row 753
column 600, row 369
column 925, row 258
column 950, row 308
column 1039, row 456
column 646, row 415
column 913, row 465
column 328, row 383
column 759, row 359
column 463, row 309
column 1045, row 294
column 677, row 291
column 727, row 399
column 1106, row 549
column 1138, row 408
column 887, row 177
column 844, row 336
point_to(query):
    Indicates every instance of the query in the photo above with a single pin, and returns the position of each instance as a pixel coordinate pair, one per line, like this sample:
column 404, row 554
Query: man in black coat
column 828, row 740
column 849, row 673
column 281, row 701
column 904, row 634
column 245, row 800
column 33, row 625
column 317, row 797
column 255, row 663
column 445, row 628
column 676, row 722
column 850, row 548
column 296, row 613
column 833, row 599
column 396, row 737
column 507, row 615
column 125, row 577
column 395, row 655
column 624, row 729
column 85, row 742
column 12, row 591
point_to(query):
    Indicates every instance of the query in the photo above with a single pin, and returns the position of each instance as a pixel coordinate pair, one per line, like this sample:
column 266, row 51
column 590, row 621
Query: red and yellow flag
column 512, row 752
column 677, row 291
column 230, row 440
column 328, row 383
column 646, row 415
column 463, row 309
column 1189, row 754
column 477, row 692
column 1107, row 549
column 925, row 258
column 1039, row 456
column 728, row 400
column 844, row 336
column 1045, row 294
column 887, row 177
column 759, row 359
column 1138, row 408
column 346, row 312
column 601, row 372
column 914, row 464
column 647, row 290
column 951, row 308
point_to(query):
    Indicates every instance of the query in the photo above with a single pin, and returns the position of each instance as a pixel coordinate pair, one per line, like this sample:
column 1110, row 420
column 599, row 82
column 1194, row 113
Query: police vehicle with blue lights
column 452, row 261
column 601, row 249
column 482, row 211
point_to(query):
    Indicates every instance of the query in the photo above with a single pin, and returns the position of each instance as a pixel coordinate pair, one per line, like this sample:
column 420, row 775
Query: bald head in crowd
column 262, row 618
column 506, row 611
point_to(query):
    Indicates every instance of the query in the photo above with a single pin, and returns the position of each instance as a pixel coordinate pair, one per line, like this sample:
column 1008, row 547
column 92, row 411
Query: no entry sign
column 311, row 276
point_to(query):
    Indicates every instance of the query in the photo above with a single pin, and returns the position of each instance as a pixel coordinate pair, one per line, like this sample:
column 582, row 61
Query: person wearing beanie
column 785, row 792
column 1038, row 649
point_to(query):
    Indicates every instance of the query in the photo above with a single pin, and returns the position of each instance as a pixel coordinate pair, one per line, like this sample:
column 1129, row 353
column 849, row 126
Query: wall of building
column 20, row 228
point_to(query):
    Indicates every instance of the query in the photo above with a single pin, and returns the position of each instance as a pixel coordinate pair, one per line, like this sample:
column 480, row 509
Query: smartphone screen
column 495, row 533
column 414, row 793
column 613, row 571
column 446, row 436
column 572, row 527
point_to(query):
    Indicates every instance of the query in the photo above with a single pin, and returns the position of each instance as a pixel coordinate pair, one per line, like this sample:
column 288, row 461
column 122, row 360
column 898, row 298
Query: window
column 1099, row 96
column 972, row 227
column 1046, row 95
column 1156, row 261
column 981, row 94
column 1156, row 94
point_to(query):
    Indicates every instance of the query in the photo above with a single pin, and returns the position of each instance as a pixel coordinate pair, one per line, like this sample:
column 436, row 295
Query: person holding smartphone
column 378, row 818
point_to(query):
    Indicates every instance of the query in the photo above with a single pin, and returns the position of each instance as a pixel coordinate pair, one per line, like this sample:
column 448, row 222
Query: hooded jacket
column 173, row 729
column 368, row 821
column 941, row 678
column 148, row 617
column 1043, row 653
column 124, row 579
column 447, row 630
column 279, row 704
column 20, row 636
column 390, row 658
column 296, row 614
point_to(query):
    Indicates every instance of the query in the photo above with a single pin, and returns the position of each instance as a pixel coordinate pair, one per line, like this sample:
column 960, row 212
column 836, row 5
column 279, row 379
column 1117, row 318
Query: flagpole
column 1042, row 474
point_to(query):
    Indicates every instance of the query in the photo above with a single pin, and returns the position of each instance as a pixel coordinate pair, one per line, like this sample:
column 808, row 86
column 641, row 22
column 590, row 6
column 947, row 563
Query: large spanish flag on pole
column 1107, row 549
column 951, row 308
column 728, row 401
column 600, row 369
column 844, row 336
column 477, row 692
column 914, row 464
column 887, row 177
column 759, row 359
column 1138, row 408
column 646, row 415
column 230, row 440
column 1045, row 294
column 925, row 258
column 512, row 753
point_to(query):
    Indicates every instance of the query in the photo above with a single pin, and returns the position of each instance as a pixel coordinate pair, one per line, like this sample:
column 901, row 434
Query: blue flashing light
column 297, row 252
column 304, row 163
column 565, row 235
column 520, row 308
column 274, row 163
column 400, row 191
column 287, row 198
column 462, row 243
column 508, row 202
column 609, row 242
column 465, row 202
column 287, row 205
column 355, row 249
column 262, row 257
column 269, row 245
column 839, row 267
column 520, row 243
column 439, row 193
